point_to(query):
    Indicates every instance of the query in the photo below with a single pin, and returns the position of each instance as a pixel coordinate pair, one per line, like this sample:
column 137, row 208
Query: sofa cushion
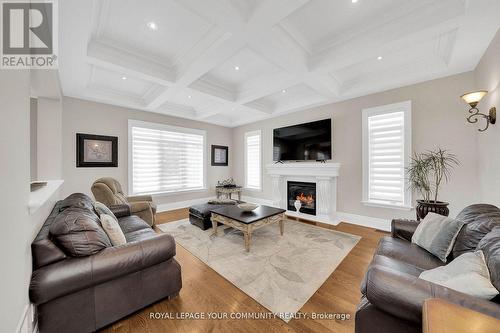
column 437, row 234
column 469, row 213
column 132, row 223
column 140, row 235
column 407, row 252
column 77, row 200
column 490, row 245
column 473, row 231
column 468, row 274
column 79, row 233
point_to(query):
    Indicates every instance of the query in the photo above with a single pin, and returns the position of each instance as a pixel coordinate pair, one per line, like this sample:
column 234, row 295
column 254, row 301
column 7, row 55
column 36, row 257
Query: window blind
column 386, row 158
column 166, row 160
column 253, row 160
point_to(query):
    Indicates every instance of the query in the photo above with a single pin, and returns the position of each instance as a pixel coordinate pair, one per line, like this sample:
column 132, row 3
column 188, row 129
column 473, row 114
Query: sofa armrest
column 403, row 295
column 74, row 274
column 134, row 198
column 403, row 228
column 120, row 210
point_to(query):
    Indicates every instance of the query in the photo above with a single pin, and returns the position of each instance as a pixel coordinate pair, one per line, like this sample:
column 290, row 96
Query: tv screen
column 309, row 141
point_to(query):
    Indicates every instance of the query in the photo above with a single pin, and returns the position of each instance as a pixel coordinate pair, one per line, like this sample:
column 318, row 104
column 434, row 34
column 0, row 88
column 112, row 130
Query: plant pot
column 424, row 207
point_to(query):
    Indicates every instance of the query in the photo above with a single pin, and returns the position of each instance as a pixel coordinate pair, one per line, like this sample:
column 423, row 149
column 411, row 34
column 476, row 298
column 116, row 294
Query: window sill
column 250, row 189
column 40, row 196
column 389, row 206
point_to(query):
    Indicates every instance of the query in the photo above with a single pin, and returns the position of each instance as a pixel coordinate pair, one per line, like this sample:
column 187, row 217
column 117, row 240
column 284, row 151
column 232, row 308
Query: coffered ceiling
column 232, row 62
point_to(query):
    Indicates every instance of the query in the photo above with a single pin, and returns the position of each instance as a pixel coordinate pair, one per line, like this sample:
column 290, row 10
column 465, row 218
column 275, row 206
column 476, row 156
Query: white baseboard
column 182, row 204
column 366, row 221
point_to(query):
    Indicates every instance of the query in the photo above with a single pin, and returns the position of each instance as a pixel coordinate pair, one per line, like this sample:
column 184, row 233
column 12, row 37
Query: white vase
column 297, row 205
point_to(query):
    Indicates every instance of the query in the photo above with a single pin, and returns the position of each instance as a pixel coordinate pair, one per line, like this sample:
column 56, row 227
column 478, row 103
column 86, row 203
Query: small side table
column 440, row 316
column 228, row 191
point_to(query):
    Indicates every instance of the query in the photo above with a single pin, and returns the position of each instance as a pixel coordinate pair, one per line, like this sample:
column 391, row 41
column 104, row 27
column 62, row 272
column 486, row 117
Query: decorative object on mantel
column 473, row 99
column 37, row 185
column 425, row 174
column 96, row 150
column 219, row 155
column 297, row 205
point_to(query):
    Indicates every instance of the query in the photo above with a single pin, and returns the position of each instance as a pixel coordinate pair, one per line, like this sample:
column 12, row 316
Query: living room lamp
column 473, row 98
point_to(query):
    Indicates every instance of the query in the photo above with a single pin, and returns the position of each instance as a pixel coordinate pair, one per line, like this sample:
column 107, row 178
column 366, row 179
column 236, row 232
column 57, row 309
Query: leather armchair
column 109, row 191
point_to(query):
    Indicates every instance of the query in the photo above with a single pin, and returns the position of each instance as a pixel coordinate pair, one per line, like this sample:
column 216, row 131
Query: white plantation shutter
column 165, row 158
column 386, row 147
column 253, row 160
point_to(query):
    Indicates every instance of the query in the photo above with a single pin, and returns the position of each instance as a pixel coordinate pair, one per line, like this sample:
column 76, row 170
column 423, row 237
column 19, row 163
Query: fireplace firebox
column 305, row 193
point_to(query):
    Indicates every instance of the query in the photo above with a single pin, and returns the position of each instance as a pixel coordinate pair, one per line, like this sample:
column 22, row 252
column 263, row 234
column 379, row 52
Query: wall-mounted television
column 303, row 142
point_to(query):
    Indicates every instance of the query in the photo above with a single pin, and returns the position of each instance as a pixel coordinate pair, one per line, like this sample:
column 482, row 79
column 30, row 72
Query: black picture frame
column 82, row 161
column 218, row 162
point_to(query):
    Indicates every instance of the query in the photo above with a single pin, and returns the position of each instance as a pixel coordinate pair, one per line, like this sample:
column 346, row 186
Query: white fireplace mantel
column 323, row 174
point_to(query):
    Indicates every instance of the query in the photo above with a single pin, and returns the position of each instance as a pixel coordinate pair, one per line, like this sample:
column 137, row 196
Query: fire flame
column 308, row 199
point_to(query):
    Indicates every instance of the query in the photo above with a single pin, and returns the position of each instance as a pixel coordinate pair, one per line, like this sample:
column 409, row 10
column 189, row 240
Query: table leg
column 214, row 226
column 248, row 237
column 282, row 226
column 239, row 195
column 217, row 193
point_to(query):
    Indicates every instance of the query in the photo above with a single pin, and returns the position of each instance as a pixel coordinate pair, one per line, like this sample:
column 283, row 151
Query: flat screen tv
column 303, row 142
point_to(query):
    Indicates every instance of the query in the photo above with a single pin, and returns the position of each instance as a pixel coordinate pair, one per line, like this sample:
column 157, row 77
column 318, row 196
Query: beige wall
column 438, row 119
column 488, row 77
column 17, row 227
column 49, row 139
column 81, row 116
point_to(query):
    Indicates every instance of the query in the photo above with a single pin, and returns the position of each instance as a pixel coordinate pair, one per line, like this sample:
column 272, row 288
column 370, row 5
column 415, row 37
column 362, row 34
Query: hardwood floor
column 205, row 291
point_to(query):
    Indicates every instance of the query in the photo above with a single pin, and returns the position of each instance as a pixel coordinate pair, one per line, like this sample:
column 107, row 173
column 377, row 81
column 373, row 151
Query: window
column 386, row 153
column 165, row 158
column 253, row 176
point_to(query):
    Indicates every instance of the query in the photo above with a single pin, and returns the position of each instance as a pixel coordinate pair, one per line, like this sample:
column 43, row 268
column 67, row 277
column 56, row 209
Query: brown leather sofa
column 393, row 295
column 109, row 191
column 75, row 292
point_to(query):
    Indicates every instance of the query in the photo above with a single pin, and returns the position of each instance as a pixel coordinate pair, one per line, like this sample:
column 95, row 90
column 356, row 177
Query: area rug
column 279, row 272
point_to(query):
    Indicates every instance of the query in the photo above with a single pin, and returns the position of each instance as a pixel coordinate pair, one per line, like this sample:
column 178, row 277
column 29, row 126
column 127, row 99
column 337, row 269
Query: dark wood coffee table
column 247, row 222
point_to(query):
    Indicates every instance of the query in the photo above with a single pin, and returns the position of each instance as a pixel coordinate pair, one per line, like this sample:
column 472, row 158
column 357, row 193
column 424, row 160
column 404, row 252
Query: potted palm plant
column 426, row 173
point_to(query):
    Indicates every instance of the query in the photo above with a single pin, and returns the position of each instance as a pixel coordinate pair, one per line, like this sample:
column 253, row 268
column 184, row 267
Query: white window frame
column 405, row 107
column 163, row 127
column 247, row 134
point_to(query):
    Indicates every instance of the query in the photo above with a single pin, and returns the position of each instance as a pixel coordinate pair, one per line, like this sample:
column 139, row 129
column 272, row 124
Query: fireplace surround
column 323, row 175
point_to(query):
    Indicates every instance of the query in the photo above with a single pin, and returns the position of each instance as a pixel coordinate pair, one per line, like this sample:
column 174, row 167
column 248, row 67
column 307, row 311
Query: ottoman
column 199, row 215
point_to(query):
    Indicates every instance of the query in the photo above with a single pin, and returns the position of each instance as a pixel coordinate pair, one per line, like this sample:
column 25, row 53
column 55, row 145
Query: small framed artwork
column 219, row 155
column 96, row 151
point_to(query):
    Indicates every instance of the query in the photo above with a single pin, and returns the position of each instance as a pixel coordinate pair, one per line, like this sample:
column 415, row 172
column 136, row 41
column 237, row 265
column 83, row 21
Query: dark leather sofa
column 393, row 295
column 86, row 293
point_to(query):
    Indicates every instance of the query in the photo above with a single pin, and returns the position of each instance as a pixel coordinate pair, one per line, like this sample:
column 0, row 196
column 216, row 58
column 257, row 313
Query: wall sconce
column 473, row 98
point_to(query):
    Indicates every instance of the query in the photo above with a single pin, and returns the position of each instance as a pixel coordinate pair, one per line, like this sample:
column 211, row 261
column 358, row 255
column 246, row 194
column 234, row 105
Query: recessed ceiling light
column 189, row 96
column 283, row 91
column 236, row 68
column 354, row 1
column 379, row 58
column 152, row 26
column 124, row 77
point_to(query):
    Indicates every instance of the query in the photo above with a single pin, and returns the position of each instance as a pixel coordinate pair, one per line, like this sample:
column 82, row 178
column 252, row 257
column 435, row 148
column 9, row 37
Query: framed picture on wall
column 219, row 155
column 96, row 151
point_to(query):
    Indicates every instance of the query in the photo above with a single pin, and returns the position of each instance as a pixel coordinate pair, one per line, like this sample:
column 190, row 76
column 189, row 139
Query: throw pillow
column 101, row 208
column 222, row 202
column 436, row 234
column 468, row 274
column 113, row 230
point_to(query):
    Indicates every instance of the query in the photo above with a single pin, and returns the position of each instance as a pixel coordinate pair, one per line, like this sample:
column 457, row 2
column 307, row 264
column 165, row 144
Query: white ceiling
column 231, row 62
